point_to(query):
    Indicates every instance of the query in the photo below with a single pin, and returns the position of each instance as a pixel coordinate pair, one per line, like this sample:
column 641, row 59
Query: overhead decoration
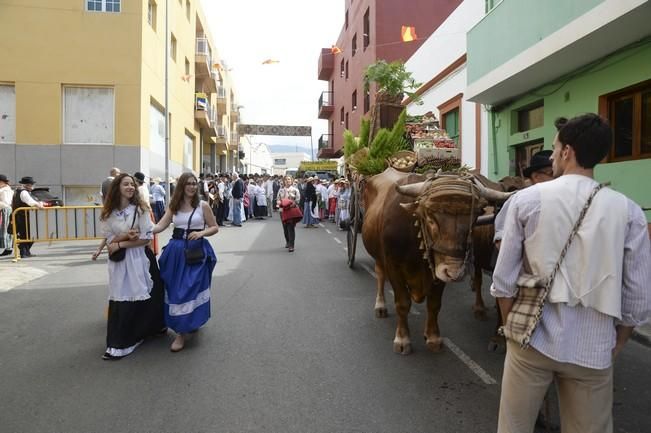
column 218, row 66
column 270, row 62
column 281, row 130
column 335, row 50
column 408, row 34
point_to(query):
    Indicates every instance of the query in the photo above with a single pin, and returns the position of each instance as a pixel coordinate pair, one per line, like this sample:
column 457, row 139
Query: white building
column 440, row 63
column 285, row 161
column 257, row 157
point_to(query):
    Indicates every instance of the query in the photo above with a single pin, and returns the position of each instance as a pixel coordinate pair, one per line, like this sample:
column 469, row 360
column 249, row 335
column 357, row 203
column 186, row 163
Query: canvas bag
column 533, row 290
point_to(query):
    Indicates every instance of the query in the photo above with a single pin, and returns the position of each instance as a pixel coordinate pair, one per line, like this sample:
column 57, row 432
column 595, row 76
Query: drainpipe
column 167, row 113
column 494, row 139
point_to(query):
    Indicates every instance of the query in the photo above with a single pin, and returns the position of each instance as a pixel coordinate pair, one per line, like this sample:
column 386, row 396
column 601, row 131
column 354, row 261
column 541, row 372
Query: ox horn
column 413, row 189
column 491, row 194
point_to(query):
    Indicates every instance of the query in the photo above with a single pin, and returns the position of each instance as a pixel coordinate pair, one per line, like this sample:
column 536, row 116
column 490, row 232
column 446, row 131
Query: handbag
column 193, row 255
column 121, row 253
column 533, row 290
column 291, row 213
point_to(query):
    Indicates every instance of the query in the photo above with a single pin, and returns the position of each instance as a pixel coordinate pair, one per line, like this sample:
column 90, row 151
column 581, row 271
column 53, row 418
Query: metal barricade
column 56, row 224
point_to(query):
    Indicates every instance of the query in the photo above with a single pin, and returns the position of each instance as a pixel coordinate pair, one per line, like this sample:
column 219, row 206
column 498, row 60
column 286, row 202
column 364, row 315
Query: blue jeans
column 237, row 210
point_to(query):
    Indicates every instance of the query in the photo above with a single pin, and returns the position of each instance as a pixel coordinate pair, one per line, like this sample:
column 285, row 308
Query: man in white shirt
column 23, row 198
column 6, row 198
column 269, row 192
column 599, row 295
column 158, row 197
column 143, row 189
column 104, row 188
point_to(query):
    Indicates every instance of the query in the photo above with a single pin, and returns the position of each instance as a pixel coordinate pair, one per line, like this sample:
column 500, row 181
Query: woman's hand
column 113, row 247
column 96, row 254
column 133, row 235
column 193, row 236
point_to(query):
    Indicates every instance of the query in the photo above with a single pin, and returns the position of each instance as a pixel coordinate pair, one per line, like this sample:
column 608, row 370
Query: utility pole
column 167, row 112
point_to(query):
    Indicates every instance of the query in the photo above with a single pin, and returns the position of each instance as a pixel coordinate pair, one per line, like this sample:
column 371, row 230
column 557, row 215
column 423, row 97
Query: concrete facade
column 444, row 82
column 85, row 84
column 593, row 86
column 385, row 19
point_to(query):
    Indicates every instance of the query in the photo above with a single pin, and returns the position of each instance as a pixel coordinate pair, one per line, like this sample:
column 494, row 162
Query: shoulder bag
column 533, row 290
column 121, row 253
column 194, row 255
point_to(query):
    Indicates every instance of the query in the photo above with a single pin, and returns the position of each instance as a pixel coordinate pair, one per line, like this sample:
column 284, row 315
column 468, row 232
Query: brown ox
column 419, row 244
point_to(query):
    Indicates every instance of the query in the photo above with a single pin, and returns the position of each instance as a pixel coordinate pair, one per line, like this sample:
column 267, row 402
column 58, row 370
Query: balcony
column 567, row 36
column 326, row 149
column 203, row 112
column 326, row 105
column 221, row 97
column 326, row 64
column 203, row 58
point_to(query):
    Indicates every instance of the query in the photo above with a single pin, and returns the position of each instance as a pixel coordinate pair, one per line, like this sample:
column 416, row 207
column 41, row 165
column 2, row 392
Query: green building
column 532, row 61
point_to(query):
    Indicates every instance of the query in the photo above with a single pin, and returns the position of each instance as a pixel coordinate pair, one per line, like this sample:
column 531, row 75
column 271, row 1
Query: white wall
column 442, row 48
column 292, row 160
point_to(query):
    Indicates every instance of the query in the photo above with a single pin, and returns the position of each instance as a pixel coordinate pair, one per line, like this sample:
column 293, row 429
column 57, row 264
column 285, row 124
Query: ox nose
column 454, row 273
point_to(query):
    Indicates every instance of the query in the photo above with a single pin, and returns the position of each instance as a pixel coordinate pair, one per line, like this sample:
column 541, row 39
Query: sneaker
column 6, row 253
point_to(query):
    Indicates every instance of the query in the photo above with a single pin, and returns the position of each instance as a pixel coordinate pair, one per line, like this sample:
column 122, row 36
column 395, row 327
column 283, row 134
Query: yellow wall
column 46, row 46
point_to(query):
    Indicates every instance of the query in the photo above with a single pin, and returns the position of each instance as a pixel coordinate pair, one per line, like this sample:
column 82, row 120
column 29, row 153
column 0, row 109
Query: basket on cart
column 404, row 161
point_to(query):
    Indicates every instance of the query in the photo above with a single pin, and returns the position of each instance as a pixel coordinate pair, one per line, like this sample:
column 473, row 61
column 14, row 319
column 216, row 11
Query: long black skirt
column 129, row 323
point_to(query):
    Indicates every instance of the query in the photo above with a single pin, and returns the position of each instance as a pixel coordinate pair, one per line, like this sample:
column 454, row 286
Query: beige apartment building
column 82, row 89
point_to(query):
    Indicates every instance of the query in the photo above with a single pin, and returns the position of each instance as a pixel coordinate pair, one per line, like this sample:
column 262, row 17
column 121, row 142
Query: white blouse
column 129, row 279
column 180, row 219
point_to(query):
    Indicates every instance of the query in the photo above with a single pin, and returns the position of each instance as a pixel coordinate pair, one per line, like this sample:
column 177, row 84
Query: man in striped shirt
column 599, row 295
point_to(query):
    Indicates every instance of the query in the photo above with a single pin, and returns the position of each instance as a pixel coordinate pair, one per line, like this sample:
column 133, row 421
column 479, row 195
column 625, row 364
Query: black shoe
column 286, row 245
column 236, row 225
column 6, row 253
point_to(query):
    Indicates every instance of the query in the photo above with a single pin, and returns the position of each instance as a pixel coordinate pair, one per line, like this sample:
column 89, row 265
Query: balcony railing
column 326, row 105
column 203, row 56
column 325, row 141
column 221, row 131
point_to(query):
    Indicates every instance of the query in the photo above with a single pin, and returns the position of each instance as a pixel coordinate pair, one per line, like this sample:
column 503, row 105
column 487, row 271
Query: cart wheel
column 353, row 227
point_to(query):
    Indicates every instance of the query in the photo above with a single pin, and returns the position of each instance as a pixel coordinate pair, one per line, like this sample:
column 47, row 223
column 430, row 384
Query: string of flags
column 270, row 62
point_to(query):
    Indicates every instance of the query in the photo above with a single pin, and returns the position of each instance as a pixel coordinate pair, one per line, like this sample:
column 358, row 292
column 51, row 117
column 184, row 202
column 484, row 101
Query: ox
column 411, row 222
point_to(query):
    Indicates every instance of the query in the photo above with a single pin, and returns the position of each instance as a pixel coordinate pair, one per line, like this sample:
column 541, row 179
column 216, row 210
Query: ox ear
column 410, row 208
column 413, row 189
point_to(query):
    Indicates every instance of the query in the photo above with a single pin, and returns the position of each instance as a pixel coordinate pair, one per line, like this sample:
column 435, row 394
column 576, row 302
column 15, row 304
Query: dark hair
column 590, row 137
column 560, row 122
column 179, row 192
column 112, row 201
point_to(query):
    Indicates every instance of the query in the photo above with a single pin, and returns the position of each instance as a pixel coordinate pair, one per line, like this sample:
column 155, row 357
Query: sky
column 247, row 32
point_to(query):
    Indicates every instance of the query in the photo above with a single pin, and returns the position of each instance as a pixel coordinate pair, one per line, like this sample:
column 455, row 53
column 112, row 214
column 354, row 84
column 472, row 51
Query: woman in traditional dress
column 260, row 209
column 187, row 279
column 310, row 201
column 289, row 196
column 135, row 288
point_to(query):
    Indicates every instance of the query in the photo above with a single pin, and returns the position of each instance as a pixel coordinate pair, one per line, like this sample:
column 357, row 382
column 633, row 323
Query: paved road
column 293, row 346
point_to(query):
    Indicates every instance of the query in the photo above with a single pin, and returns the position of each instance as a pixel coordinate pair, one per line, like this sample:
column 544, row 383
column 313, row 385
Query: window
column 531, row 117
column 188, row 151
column 346, row 121
column 366, row 37
column 450, row 114
column 346, row 69
column 7, row 114
column 346, row 20
column 354, row 100
column 188, row 10
column 88, row 115
column 354, row 44
column 151, row 14
column 173, row 47
column 156, row 130
column 523, row 155
column 341, row 112
column 280, row 161
column 367, row 101
column 342, row 71
column 451, row 124
column 629, row 114
column 103, row 5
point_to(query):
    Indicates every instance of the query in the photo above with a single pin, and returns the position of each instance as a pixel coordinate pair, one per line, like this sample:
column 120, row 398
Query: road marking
column 321, row 225
column 337, row 240
column 472, row 365
column 328, row 232
column 370, row 271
